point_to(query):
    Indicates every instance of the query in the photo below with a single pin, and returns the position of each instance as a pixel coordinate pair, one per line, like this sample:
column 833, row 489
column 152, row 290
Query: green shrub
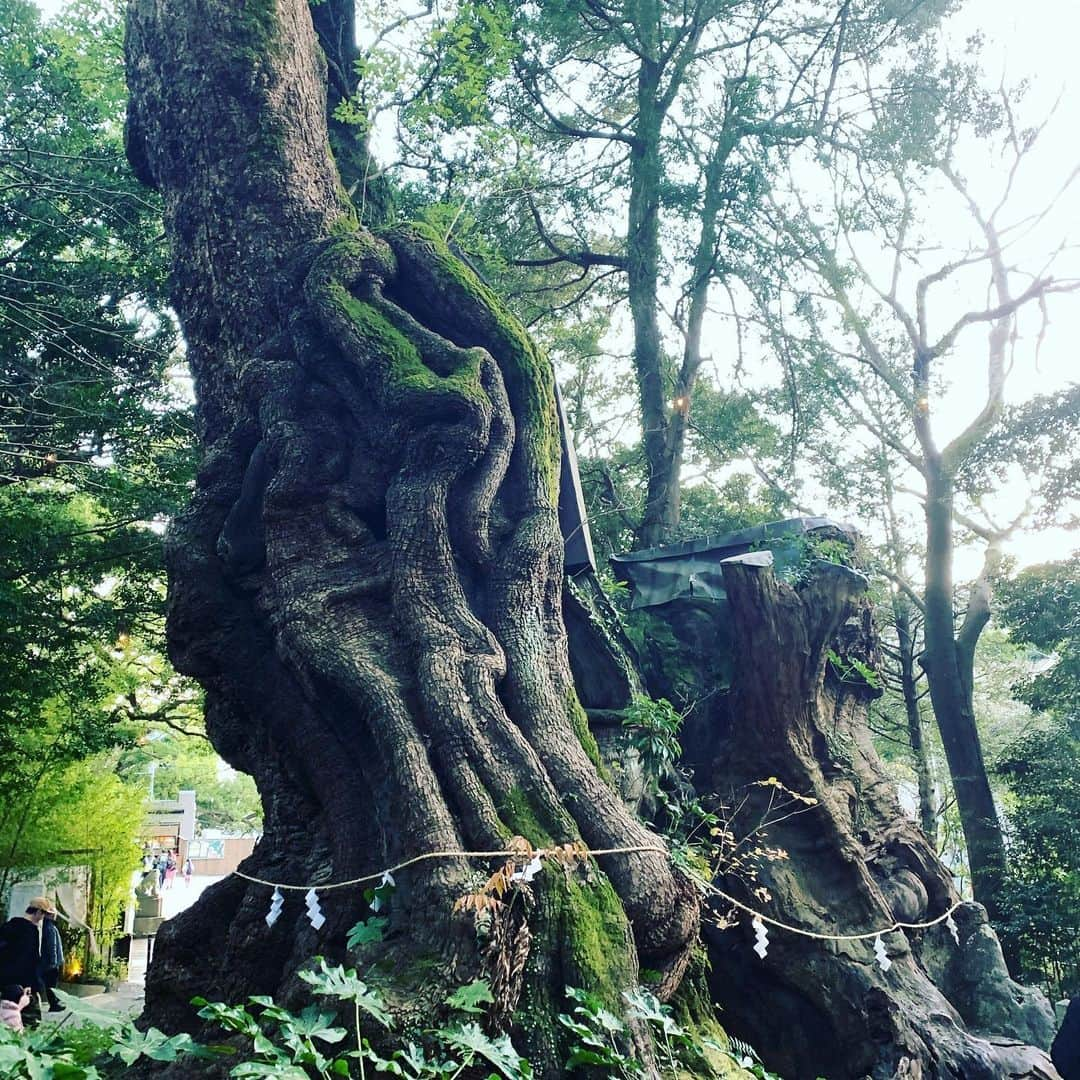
column 311, row 1043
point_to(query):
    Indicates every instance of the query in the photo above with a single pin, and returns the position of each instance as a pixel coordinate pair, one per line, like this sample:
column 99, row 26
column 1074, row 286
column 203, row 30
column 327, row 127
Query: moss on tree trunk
column 379, row 627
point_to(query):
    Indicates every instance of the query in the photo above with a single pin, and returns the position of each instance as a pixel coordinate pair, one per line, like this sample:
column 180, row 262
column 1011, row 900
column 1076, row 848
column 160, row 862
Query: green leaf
column 469, row 998
column 314, row 1024
column 11, row 1054
column 499, row 1051
column 87, row 1010
column 580, row 1056
column 263, row 1046
column 66, row 1070
column 232, row 1017
column 413, row 1056
column 285, row 1071
column 647, row 1006
column 346, row 985
column 131, row 1044
column 368, row 932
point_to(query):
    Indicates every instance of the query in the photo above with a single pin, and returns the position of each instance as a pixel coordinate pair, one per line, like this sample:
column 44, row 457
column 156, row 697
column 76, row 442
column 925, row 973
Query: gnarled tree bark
column 854, row 863
column 368, row 580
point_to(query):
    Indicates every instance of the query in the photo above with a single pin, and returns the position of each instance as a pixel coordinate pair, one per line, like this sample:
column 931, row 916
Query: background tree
column 894, row 366
column 95, row 447
column 85, row 345
column 1041, row 767
column 670, row 116
column 93, row 438
column 1041, row 893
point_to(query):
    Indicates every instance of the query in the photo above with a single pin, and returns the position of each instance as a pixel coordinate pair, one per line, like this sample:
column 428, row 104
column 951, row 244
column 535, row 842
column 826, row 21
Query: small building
column 170, row 824
column 215, row 854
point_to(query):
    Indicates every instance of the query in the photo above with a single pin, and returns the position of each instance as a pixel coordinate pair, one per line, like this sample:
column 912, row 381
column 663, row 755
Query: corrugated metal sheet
column 692, row 569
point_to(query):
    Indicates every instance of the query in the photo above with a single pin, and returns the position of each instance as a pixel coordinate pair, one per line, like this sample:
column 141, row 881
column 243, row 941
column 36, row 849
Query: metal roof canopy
column 692, row 570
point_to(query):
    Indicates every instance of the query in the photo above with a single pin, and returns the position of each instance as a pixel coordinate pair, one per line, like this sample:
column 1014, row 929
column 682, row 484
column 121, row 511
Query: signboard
column 206, row 849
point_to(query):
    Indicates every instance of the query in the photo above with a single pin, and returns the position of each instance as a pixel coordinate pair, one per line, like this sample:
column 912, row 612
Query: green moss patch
column 579, row 721
column 519, row 817
column 581, row 938
column 409, row 383
column 471, row 314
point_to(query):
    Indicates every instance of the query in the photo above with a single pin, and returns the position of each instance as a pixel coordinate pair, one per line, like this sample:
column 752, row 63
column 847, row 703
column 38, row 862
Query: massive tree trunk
column 852, row 864
column 368, row 580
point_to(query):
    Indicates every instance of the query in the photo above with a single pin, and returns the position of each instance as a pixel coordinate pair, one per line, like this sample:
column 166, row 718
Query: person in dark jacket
column 1065, row 1053
column 52, row 959
column 20, row 954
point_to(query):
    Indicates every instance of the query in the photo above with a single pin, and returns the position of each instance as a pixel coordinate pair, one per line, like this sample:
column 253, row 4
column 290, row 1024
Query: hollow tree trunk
column 368, row 579
column 853, row 863
column 949, row 674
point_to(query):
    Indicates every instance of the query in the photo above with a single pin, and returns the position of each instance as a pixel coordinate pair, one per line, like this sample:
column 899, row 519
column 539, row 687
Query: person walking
column 20, row 954
column 170, row 870
column 52, row 959
column 188, row 871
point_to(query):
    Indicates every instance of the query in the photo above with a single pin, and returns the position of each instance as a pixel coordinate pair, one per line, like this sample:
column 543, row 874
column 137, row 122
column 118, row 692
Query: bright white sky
column 1037, row 40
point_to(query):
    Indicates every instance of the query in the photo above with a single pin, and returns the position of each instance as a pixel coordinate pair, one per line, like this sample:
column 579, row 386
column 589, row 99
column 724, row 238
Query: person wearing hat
column 20, row 954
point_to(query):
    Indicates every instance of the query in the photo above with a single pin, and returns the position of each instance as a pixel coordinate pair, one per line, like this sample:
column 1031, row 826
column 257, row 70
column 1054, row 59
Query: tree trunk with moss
column 846, row 861
column 368, row 580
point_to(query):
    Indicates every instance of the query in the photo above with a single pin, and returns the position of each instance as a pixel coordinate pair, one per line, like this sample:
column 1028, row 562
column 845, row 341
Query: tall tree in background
column 900, row 344
column 84, row 340
column 1041, row 606
column 368, row 580
column 671, row 116
column 905, row 618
